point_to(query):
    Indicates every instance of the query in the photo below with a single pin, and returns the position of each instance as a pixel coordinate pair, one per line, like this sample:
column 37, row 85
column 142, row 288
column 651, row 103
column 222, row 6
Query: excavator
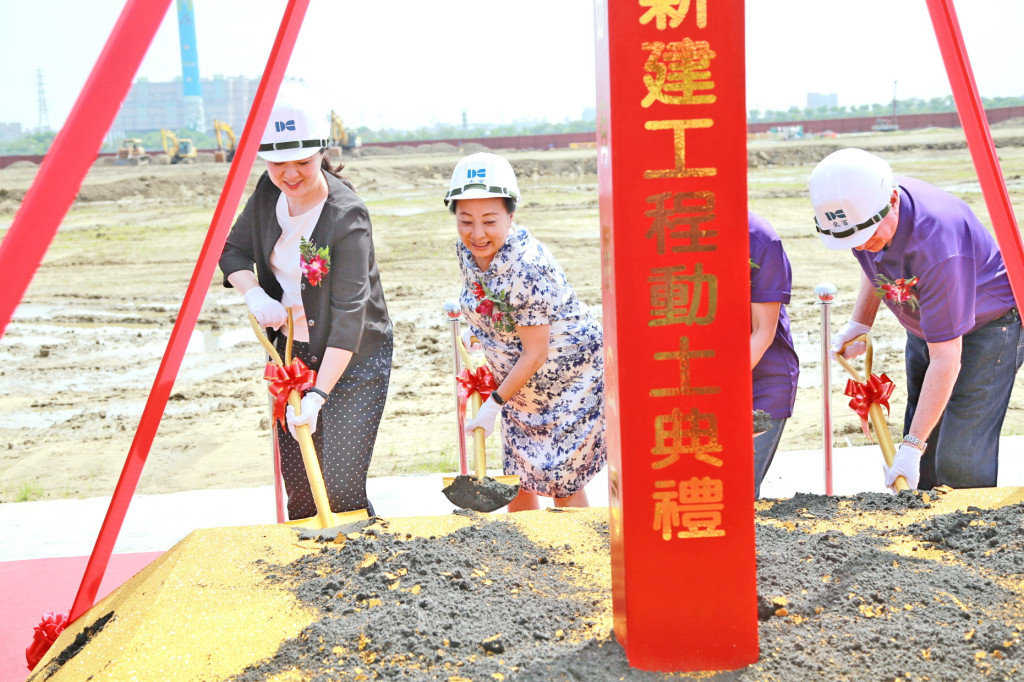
column 131, row 152
column 178, row 150
column 222, row 153
column 341, row 139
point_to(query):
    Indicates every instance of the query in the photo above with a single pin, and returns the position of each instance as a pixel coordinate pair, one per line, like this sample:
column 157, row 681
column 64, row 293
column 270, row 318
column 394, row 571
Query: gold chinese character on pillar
column 678, row 72
column 671, row 13
column 679, row 128
column 681, row 298
column 679, row 217
column 685, row 433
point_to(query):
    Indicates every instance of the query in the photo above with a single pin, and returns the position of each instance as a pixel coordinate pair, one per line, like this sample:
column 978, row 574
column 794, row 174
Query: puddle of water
column 209, row 341
column 37, row 419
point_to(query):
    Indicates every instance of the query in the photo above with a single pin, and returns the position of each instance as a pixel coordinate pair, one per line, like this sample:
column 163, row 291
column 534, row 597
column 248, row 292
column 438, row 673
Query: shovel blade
column 481, row 494
column 329, row 519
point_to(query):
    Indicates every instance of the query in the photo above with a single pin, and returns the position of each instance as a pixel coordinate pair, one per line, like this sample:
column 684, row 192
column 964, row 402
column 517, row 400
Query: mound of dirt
column 869, row 587
column 437, row 148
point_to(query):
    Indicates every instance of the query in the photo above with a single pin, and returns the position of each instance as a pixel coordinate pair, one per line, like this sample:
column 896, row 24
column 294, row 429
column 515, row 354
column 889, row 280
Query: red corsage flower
column 315, row 262
column 901, row 290
column 494, row 305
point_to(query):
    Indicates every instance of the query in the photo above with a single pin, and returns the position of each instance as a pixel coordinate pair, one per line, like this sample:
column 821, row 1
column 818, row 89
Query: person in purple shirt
column 926, row 255
column 773, row 362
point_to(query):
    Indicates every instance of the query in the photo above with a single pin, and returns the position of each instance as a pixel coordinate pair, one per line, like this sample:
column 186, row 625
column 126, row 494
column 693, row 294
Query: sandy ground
column 78, row 361
column 920, row 586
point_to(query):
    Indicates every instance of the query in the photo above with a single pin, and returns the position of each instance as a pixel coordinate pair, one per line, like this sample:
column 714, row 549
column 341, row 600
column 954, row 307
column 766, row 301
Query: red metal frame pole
column 672, row 179
column 238, row 174
column 73, row 151
column 979, row 141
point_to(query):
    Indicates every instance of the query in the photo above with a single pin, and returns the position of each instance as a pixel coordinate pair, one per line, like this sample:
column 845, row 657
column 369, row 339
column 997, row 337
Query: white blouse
column 285, row 260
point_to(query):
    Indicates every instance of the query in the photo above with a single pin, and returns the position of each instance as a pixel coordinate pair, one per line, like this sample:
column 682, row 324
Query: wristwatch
column 915, row 441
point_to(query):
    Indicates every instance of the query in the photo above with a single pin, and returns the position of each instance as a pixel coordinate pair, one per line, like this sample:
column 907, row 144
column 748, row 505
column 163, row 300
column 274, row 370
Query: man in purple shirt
column 773, row 362
column 928, row 257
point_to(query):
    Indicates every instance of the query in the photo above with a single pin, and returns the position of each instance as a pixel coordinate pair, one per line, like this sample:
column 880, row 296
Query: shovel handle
column 875, row 414
column 264, row 341
column 309, row 459
column 288, row 341
column 479, row 438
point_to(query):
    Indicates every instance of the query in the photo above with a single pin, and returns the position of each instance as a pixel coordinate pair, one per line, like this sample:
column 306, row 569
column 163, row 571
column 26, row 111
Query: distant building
column 816, row 100
column 11, row 131
column 151, row 106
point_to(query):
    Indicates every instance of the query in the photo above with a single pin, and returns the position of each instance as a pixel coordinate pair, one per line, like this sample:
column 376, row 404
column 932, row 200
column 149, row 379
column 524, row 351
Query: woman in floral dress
column 542, row 344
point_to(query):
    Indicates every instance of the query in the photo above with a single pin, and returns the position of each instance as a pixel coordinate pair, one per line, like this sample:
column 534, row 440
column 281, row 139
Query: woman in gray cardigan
column 304, row 241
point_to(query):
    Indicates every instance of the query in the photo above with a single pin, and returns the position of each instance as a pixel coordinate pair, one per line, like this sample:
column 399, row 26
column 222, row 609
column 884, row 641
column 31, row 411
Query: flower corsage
column 900, row 290
column 315, row 262
column 494, row 305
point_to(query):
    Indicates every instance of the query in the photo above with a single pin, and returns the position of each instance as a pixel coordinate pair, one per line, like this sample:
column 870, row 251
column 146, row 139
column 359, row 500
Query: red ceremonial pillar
column 672, row 166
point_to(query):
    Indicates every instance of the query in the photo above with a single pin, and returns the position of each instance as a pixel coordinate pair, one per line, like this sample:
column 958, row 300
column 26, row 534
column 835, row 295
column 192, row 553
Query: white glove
column 310, row 408
column 267, row 311
column 906, row 463
column 484, row 418
column 468, row 344
column 850, row 331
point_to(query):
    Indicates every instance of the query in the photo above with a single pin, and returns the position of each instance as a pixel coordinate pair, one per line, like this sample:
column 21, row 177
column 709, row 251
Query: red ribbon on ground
column 285, row 379
column 479, row 381
column 875, row 391
column 45, row 634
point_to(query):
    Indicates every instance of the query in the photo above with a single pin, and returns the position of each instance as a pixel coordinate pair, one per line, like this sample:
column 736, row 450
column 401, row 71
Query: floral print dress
column 553, row 429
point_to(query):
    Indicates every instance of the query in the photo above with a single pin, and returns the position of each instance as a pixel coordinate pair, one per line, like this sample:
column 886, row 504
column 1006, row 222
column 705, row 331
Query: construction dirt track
column 79, row 358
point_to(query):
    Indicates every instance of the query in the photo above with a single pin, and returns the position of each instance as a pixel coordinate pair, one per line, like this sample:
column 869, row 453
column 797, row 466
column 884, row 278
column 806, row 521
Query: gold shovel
column 325, row 518
column 503, row 486
column 875, row 414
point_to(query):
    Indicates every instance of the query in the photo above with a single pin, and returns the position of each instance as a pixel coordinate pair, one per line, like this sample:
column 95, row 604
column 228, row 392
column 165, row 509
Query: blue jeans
column 963, row 448
column 765, row 445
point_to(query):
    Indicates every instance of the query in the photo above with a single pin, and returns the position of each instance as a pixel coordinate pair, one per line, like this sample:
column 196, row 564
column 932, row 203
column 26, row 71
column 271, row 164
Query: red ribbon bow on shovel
column 479, row 381
column 875, row 391
column 283, row 380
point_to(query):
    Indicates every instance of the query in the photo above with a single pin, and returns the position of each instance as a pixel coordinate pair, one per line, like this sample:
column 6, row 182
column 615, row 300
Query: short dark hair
column 510, row 205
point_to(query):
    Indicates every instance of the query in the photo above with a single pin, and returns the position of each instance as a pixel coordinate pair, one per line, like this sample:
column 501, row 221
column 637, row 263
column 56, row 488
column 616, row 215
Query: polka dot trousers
column 344, row 438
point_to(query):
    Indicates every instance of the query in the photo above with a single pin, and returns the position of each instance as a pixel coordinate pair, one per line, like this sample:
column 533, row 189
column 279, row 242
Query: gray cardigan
column 347, row 310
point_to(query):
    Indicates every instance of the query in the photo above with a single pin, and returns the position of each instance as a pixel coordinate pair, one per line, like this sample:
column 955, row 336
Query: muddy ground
column 78, row 361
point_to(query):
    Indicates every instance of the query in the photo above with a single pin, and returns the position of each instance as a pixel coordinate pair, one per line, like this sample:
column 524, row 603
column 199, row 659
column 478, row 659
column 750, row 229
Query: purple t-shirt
column 775, row 374
column 962, row 283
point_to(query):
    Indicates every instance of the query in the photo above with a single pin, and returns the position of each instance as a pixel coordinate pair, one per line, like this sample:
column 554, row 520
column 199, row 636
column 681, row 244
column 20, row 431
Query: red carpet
column 32, row 587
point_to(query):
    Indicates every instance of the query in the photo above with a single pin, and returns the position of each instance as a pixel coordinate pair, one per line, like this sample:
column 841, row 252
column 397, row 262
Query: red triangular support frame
column 57, row 183
column 55, row 187
column 979, row 141
column 238, row 174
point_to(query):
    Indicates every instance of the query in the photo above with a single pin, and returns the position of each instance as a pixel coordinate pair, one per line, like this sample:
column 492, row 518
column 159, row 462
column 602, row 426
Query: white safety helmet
column 298, row 125
column 482, row 175
column 850, row 190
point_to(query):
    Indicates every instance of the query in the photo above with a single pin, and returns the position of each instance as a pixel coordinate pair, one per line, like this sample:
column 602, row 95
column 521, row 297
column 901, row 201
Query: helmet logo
column 838, row 215
column 482, row 173
column 281, row 126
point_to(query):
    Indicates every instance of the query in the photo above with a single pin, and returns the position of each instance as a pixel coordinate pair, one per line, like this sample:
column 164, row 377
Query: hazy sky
column 407, row 63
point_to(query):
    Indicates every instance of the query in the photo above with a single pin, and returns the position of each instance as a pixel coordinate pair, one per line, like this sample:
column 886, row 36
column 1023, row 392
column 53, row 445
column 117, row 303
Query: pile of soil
column 869, row 587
